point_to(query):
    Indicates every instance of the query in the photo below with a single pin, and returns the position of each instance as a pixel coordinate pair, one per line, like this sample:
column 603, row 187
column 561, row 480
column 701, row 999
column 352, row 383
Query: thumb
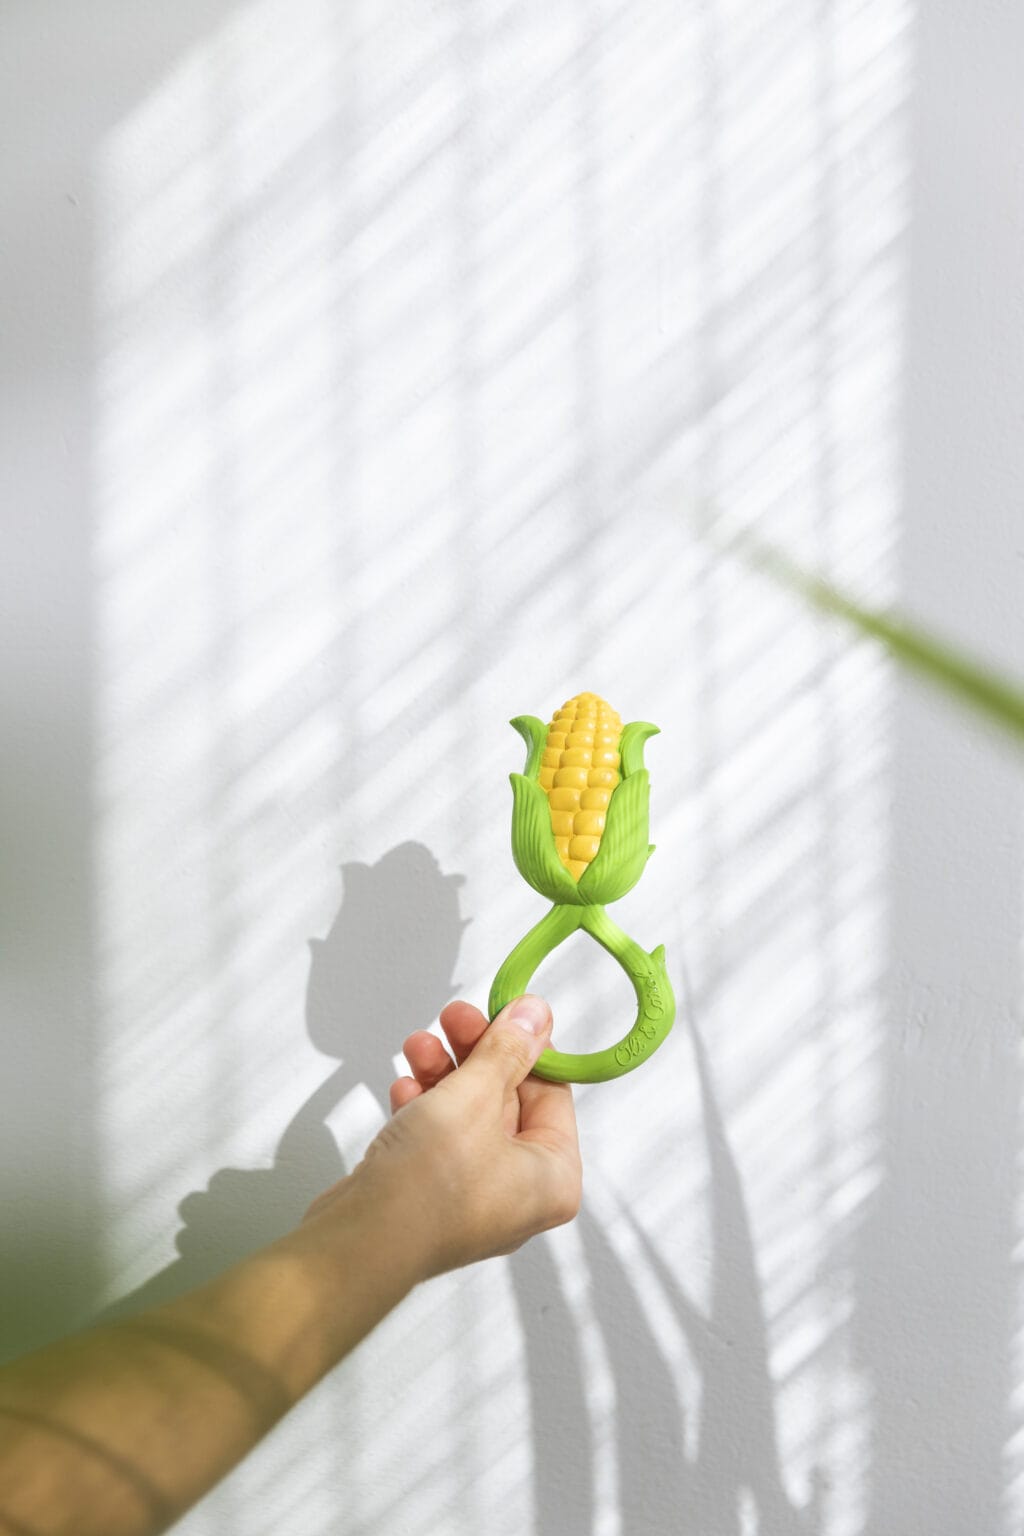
column 509, row 1047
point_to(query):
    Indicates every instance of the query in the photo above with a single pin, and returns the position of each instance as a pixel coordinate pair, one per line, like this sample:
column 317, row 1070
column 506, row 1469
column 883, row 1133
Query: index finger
column 463, row 1024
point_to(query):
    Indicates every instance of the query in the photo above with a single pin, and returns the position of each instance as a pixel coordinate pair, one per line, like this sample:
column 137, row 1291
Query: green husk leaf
column 533, row 843
column 534, row 732
column 624, row 849
column 631, row 745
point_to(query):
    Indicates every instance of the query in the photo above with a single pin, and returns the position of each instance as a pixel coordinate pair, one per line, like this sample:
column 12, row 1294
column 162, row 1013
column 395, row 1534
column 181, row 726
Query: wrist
column 384, row 1216
column 360, row 1253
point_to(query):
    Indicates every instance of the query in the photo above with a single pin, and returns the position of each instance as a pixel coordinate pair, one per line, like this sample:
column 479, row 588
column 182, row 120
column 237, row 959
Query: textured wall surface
column 364, row 371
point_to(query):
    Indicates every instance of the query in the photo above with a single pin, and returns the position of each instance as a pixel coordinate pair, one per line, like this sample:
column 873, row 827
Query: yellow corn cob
column 579, row 770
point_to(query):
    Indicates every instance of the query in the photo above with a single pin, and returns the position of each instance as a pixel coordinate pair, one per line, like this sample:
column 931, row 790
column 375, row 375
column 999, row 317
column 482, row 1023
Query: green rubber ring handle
column 656, row 1007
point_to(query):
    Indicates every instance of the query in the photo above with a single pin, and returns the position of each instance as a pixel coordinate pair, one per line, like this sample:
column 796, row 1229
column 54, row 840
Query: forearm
column 117, row 1431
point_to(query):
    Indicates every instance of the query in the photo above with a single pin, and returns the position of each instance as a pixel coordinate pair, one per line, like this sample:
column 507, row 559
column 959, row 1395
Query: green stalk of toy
column 655, row 1001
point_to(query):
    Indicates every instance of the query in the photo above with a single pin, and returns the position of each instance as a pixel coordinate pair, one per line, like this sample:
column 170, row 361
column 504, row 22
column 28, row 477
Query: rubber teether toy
column 579, row 837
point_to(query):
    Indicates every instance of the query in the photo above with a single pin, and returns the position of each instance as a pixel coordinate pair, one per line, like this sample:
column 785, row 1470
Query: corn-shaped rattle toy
column 579, row 837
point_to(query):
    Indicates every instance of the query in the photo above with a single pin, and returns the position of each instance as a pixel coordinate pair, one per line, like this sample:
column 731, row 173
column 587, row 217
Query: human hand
column 478, row 1156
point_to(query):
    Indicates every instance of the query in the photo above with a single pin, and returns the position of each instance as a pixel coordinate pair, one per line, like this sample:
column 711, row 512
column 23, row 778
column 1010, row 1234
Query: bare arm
column 117, row 1431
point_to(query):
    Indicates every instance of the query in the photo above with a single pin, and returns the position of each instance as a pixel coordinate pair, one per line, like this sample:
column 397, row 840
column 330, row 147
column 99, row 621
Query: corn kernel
column 583, row 848
column 578, row 773
column 571, row 778
column 595, row 799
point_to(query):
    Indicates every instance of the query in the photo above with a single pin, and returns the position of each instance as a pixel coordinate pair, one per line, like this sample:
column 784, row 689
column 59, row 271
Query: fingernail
column 530, row 1013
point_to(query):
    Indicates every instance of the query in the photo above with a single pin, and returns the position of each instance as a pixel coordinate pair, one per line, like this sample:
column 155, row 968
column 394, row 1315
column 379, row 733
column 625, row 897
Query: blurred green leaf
column 984, row 690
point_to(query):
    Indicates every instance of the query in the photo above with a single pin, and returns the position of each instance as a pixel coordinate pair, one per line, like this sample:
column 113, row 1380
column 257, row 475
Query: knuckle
column 567, row 1208
column 567, row 1202
column 514, row 1049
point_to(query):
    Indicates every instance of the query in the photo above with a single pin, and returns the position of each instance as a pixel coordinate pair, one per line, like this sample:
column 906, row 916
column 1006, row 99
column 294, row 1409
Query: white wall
column 363, row 368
